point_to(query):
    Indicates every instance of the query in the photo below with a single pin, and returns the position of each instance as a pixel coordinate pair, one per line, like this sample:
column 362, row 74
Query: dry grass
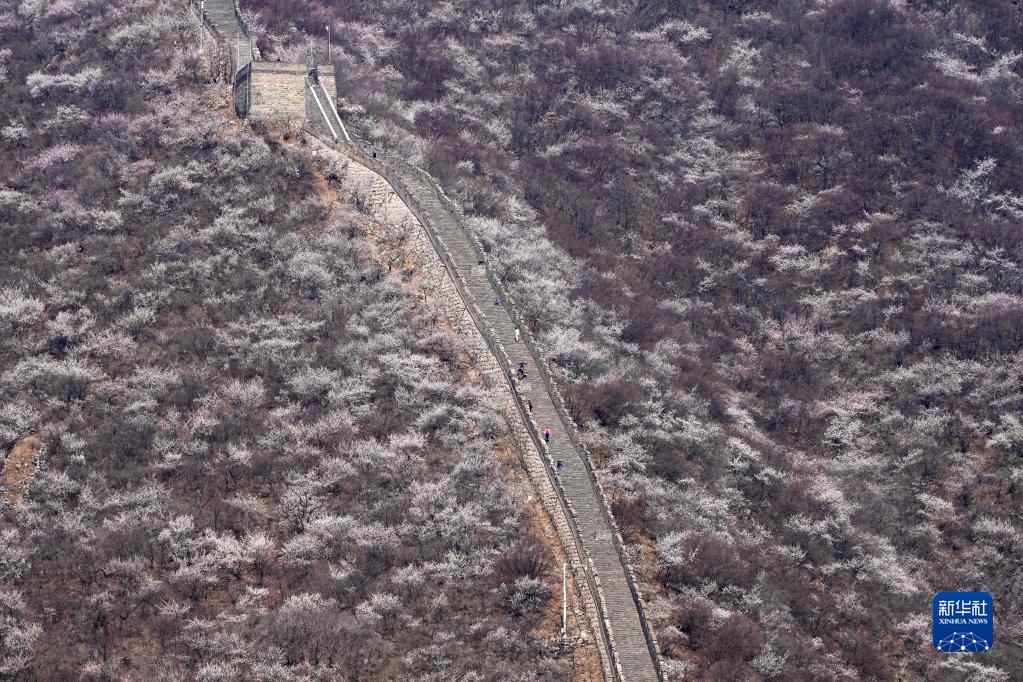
column 19, row 468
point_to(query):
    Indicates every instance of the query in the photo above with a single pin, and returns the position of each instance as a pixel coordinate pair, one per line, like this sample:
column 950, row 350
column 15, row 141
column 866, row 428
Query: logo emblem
column 964, row 622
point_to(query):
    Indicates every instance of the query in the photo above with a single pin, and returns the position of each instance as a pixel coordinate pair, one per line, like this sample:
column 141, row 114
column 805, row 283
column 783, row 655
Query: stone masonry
column 327, row 80
column 435, row 282
column 236, row 41
column 278, row 90
column 216, row 58
column 571, row 496
column 457, row 270
column 263, row 89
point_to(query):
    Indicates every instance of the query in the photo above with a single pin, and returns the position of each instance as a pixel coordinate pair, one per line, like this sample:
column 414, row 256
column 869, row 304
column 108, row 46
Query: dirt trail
column 21, row 465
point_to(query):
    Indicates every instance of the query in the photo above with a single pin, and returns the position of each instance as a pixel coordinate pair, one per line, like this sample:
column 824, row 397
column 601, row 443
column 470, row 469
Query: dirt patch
column 21, row 465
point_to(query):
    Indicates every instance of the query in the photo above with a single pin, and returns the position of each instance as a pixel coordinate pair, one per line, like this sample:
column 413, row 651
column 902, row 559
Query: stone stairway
column 222, row 14
column 630, row 644
column 435, row 282
column 379, row 195
column 623, row 624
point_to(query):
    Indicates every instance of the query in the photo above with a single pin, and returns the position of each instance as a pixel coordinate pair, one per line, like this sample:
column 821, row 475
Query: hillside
column 265, row 458
column 774, row 249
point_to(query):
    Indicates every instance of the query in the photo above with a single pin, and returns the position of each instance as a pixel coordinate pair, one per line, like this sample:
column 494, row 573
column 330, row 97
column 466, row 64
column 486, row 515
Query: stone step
column 575, row 483
column 221, row 13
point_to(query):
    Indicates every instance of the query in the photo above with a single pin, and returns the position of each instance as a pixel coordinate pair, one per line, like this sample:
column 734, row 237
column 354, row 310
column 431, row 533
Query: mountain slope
column 775, row 249
column 263, row 459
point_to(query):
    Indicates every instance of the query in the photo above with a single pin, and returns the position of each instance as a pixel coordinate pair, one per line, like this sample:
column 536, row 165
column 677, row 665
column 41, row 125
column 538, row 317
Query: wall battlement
column 261, row 89
column 277, row 90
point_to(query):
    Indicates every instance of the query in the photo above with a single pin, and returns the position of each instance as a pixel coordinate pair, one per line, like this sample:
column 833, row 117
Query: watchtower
column 277, row 90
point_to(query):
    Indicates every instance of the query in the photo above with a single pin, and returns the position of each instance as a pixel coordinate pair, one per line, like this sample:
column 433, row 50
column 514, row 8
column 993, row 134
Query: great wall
column 457, row 270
